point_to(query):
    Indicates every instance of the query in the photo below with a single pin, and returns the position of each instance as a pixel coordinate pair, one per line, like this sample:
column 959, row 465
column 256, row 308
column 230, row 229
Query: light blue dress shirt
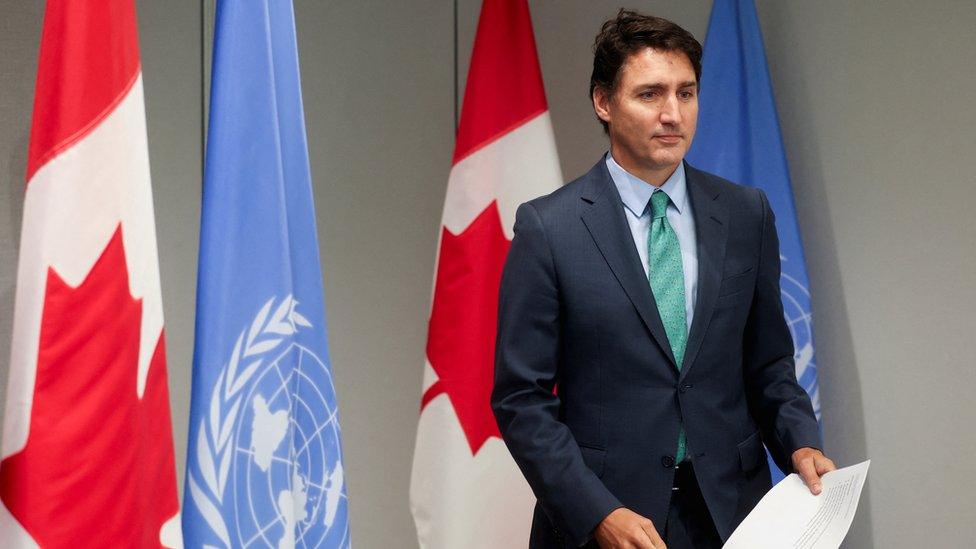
column 636, row 196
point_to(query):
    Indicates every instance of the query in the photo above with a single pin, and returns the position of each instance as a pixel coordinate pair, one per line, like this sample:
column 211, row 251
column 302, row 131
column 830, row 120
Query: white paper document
column 790, row 517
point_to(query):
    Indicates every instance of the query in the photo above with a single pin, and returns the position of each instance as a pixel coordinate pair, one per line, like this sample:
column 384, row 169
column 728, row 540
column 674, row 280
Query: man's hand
column 625, row 529
column 811, row 464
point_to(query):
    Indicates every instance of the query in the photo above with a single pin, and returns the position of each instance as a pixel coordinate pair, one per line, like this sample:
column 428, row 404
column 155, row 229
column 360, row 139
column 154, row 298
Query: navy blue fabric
column 576, row 312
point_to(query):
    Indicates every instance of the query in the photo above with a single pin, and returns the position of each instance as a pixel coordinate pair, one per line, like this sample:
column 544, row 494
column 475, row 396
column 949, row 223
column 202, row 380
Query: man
column 642, row 358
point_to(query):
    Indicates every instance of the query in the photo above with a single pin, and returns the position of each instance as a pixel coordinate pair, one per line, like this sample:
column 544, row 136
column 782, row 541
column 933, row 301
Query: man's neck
column 653, row 176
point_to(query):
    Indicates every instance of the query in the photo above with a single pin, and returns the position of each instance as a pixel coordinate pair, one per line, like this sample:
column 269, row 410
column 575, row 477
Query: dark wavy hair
column 629, row 32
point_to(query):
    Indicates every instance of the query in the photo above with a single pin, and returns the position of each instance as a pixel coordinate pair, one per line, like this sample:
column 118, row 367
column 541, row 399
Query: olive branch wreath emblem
column 213, row 451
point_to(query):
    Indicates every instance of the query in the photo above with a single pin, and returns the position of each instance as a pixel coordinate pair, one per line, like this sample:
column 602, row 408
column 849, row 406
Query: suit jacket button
column 667, row 461
column 686, row 387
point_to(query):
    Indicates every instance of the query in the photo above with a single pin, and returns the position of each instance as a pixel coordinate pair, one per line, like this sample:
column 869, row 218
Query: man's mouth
column 668, row 137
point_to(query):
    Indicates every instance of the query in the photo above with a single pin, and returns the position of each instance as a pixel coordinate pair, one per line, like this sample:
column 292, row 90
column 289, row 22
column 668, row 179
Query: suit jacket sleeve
column 526, row 371
column 776, row 400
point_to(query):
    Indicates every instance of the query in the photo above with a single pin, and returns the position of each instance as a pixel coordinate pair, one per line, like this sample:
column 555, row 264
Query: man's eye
column 648, row 95
column 686, row 95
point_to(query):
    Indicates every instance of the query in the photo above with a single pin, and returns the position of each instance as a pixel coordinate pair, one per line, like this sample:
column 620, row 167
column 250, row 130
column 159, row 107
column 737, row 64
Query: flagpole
column 455, row 68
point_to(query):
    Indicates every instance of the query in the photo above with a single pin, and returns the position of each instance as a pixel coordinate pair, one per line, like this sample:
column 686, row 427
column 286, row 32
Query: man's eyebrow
column 661, row 86
column 651, row 86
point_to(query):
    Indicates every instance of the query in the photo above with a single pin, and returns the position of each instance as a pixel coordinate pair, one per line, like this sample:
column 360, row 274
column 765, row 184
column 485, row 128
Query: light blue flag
column 739, row 139
column 264, row 466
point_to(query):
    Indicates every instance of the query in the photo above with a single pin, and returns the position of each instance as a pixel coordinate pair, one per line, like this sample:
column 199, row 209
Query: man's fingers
column 652, row 535
column 825, row 465
column 808, row 472
column 811, row 464
column 638, row 539
column 626, row 529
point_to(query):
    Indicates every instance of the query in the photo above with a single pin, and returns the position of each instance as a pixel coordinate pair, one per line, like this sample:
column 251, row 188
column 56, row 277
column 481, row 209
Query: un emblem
column 270, row 455
column 796, row 308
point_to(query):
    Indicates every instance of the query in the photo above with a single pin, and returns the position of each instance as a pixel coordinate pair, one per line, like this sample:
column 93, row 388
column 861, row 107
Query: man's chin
column 662, row 161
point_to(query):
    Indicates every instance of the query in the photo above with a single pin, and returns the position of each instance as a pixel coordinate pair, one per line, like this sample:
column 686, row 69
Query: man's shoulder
column 736, row 195
column 592, row 184
column 568, row 196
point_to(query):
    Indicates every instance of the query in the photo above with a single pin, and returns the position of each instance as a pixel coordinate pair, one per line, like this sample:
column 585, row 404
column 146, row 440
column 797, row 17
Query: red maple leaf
column 98, row 466
column 461, row 337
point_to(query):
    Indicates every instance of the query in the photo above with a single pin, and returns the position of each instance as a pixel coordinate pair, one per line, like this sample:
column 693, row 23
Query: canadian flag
column 466, row 490
column 87, row 451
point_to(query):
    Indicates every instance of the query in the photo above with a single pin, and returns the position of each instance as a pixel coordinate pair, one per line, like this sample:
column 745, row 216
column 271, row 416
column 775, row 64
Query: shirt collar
column 636, row 193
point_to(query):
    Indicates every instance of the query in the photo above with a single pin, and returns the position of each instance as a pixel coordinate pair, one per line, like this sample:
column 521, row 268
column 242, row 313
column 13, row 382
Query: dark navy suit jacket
column 587, row 395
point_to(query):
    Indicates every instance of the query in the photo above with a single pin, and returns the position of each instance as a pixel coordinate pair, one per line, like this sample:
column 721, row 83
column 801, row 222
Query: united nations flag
column 739, row 139
column 264, row 466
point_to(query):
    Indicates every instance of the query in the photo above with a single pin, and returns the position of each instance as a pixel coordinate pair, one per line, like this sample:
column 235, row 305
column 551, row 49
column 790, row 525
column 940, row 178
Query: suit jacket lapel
column 712, row 228
column 604, row 219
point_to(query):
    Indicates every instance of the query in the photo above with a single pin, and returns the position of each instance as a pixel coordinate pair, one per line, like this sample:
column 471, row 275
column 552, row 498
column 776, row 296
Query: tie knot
column 659, row 204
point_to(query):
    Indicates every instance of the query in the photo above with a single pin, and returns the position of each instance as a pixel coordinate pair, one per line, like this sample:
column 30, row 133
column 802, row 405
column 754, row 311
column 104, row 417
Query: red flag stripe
column 88, row 61
column 504, row 87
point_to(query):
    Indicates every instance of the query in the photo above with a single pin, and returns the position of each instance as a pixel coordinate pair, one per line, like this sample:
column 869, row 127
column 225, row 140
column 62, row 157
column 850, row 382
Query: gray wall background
column 875, row 102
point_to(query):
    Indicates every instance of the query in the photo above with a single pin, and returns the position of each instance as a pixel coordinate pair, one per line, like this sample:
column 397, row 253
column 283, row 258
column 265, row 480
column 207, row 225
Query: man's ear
column 601, row 103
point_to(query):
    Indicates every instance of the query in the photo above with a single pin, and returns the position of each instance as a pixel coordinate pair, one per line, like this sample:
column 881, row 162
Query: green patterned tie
column 668, row 285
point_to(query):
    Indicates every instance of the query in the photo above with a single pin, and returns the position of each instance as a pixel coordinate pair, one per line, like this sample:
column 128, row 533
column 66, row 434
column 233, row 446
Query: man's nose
column 670, row 111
